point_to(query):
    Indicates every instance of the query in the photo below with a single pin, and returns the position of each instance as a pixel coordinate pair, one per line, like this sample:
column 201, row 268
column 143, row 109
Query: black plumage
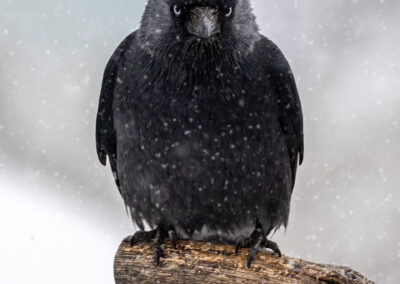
column 200, row 118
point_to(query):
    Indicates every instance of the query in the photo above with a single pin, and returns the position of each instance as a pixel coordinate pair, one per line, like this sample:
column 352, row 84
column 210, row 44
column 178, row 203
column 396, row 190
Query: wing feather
column 287, row 98
column 105, row 131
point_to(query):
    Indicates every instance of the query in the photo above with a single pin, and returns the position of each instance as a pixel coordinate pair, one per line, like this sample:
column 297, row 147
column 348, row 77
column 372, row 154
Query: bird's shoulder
column 126, row 47
column 266, row 52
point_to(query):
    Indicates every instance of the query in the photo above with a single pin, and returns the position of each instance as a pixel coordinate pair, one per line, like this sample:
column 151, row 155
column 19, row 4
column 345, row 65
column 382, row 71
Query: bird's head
column 198, row 20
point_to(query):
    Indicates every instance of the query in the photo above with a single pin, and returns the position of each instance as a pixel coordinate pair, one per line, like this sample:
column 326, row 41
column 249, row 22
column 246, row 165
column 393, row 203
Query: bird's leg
column 255, row 242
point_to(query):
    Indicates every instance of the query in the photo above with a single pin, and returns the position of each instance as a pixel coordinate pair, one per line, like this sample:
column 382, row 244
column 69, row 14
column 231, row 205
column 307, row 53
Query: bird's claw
column 172, row 238
column 142, row 236
column 158, row 253
column 241, row 243
column 273, row 246
column 250, row 257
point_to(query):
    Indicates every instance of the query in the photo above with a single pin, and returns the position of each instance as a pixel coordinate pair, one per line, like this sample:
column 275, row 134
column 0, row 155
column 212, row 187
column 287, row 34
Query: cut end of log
column 200, row 262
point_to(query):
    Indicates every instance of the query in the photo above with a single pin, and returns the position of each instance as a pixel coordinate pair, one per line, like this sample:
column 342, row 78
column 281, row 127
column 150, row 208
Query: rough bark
column 199, row 262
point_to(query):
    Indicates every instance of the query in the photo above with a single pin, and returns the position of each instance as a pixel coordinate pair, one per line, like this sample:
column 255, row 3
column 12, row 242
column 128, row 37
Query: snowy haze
column 61, row 215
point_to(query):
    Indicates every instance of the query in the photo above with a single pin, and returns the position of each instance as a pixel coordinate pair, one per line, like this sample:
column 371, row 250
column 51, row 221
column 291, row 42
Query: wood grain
column 200, row 262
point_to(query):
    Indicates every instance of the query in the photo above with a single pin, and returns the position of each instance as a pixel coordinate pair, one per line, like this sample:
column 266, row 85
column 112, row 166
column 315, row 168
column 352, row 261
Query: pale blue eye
column 177, row 10
column 229, row 12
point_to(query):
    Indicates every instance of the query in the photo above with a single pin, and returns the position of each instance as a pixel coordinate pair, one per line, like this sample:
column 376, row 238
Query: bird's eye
column 228, row 12
column 177, row 10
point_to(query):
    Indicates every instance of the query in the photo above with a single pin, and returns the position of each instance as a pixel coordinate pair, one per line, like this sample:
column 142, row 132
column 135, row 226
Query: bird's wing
column 105, row 131
column 287, row 98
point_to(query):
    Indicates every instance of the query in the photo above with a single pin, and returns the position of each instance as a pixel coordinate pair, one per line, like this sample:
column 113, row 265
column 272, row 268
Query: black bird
column 201, row 121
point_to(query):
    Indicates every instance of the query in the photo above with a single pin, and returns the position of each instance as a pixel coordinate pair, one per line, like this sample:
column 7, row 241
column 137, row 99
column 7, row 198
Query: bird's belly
column 211, row 183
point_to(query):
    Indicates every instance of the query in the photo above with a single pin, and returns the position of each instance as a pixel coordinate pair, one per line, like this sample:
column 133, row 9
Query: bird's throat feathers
column 204, row 64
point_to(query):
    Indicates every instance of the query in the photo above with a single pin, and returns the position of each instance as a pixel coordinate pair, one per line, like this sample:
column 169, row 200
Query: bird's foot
column 158, row 235
column 256, row 242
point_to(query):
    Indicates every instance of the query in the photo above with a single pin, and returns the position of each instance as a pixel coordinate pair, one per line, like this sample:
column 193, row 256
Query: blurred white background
column 61, row 216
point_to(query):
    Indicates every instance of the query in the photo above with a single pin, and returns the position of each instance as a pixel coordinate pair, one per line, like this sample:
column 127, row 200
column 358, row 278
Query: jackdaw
column 201, row 121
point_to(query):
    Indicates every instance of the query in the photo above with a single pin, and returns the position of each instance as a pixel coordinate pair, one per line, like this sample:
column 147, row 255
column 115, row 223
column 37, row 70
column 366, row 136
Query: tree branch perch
column 199, row 262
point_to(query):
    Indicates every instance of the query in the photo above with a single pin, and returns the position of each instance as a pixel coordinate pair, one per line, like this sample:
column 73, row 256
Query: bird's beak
column 203, row 22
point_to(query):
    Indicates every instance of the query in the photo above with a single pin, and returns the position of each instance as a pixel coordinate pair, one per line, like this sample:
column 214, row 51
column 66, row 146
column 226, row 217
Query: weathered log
column 200, row 262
